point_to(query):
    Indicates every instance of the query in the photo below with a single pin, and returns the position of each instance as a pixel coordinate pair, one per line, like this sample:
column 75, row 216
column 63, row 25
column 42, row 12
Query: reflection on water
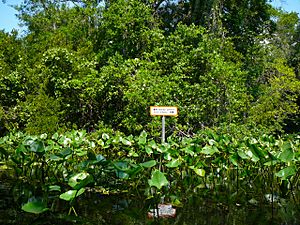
column 94, row 208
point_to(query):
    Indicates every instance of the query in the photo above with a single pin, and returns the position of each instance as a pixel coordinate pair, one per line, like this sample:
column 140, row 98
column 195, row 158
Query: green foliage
column 125, row 29
column 279, row 100
column 42, row 114
column 35, row 206
column 158, row 180
column 90, row 64
column 69, row 164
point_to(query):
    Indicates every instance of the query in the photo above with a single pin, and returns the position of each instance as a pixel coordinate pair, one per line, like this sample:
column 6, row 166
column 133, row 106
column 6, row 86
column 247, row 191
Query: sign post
column 163, row 130
column 163, row 111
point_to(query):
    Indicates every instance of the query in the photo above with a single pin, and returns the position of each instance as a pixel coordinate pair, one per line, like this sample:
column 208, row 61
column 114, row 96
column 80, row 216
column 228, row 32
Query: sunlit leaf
column 148, row 164
column 55, row 136
column 81, row 152
column 54, row 188
column 287, row 154
column 105, row 136
column 71, row 194
column 36, row 206
column 286, row 173
column 158, row 180
column 209, row 150
column 148, row 150
column 142, row 138
column 152, row 144
column 199, row 171
column 174, row 163
column 242, row 154
column 80, row 180
column 189, row 150
column 126, row 142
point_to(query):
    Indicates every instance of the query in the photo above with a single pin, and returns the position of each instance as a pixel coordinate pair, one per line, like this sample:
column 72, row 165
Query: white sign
column 163, row 111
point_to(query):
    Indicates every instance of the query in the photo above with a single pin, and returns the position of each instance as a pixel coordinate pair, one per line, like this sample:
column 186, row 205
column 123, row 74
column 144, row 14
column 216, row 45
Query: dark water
column 93, row 208
column 128, row 209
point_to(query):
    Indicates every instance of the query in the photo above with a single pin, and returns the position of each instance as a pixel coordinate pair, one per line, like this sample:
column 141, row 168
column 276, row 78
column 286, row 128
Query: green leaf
column 174, row 163
column 152, row 144
column 71, row 194
column 148, row 164
column 81, row 152
column 199, row 171
column 122, row 169
column 80, row 180
column 252, row 155
column 121, row 165
column 54, row 188
column 242, row 154
column 126, row 142
column 142, row 138
column 55, row 136
column 36, row 207
column 286, row 173
column 148, row 150
column 21, row 148
column 287, row 155
column 65, row 152
column 271, row 163
column 36, row 146
column 189, row 150
column 55, row 157
column 234, row 159
column 158, row 180
column 122, row 175
column 105, row 136
column 209, row 150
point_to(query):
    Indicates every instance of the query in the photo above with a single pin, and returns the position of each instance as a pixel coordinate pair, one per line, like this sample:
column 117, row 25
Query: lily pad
column 71, row 194
column 148, row 164
column 80, row 180
column 174, row 163
column 158, row 180
column 200, row 172
column 286, row 173
column 209, row 150
column 36, row 207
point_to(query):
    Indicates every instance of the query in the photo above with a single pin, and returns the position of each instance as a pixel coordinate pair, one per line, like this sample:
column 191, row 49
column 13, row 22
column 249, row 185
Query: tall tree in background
column 83, row 63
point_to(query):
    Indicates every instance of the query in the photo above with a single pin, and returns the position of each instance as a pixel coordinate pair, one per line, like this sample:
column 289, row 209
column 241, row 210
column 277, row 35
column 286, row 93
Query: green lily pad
column 126, row 142
column 287, row 155
column 200, row 172
column 36, row 207
column 148, row 164
column 174, row 163
column 286, row 173
column 65, row 152
column 80, row 180
column 142, row 138
column 158, row 180
column 36, row 146
column 209, row 150
column 54, row 188
column 105, row 136
column 71, row 194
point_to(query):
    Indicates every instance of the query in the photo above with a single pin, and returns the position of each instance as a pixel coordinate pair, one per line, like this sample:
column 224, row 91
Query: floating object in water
column 162, row 211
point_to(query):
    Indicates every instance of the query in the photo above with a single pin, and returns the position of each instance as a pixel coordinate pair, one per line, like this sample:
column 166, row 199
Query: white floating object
column 163, row 211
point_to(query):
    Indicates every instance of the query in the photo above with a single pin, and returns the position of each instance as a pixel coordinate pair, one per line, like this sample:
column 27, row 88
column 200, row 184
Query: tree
column 278, row 100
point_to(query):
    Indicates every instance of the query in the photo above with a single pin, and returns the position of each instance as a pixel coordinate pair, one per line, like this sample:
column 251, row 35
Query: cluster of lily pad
column 64, row 166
